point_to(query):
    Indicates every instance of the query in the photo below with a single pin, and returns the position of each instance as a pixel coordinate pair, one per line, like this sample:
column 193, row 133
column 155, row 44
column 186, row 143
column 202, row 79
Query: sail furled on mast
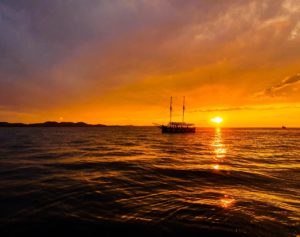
column 171, row 108
column 183, row 108
column 178, row 127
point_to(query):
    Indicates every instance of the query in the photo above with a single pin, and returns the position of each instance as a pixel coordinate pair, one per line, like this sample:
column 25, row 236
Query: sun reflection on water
column 219, row 148
column 227, row 201
column 219, row 156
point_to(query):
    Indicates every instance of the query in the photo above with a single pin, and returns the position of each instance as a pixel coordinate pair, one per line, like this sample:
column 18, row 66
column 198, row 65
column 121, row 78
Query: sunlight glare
column 217, row 120
column 227, row 201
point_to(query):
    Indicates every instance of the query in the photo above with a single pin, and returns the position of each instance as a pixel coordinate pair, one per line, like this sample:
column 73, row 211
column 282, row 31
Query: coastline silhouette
column 51, row 124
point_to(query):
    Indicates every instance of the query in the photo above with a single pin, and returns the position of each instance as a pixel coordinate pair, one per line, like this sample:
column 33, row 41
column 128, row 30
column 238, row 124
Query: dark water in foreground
column 138, row 182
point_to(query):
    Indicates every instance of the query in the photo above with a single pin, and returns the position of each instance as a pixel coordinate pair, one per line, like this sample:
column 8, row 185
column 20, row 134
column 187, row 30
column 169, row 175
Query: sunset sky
column 118, row 62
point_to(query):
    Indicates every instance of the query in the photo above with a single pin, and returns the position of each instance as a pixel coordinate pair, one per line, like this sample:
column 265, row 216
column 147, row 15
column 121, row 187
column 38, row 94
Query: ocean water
column 135, row 181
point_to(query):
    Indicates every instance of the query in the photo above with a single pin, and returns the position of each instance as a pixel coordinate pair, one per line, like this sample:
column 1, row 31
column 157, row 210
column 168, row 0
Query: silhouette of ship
column 178, row 127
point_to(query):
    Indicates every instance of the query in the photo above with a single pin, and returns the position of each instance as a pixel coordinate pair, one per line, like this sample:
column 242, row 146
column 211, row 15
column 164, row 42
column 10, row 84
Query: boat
column 178, row 127
column 283, row 127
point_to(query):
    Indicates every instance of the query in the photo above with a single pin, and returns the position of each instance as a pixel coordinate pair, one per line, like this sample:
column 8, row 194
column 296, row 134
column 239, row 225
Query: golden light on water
column 219, row 148
column 227, row 201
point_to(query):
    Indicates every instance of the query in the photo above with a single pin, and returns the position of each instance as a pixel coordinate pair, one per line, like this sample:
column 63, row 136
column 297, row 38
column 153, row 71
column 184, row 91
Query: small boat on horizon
column 283, row 127
column 178, row 127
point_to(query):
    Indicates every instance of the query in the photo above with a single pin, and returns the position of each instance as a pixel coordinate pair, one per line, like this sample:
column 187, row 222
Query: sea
column 136, row 181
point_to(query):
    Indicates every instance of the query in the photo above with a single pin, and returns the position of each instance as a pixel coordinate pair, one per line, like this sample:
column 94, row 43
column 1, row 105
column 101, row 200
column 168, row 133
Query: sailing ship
column 178, row 127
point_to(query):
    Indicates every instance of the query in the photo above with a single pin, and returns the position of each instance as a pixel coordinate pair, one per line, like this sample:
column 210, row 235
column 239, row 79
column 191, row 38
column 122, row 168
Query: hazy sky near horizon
column 118, row 62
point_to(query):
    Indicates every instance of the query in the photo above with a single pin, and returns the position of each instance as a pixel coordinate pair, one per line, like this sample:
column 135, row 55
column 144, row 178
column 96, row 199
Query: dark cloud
column 277, row 89
column 244, row 108
column 58, row 52
column 287, row 81
column 71, row 47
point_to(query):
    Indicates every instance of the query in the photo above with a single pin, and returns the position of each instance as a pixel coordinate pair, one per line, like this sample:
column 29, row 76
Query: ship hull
column 168, row 129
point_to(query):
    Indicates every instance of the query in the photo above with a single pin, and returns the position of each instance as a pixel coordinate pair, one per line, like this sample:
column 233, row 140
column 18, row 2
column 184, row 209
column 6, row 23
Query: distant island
column 51, row 124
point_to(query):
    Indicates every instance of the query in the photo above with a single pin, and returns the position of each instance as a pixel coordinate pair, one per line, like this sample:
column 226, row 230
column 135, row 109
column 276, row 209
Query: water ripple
column 229, row 182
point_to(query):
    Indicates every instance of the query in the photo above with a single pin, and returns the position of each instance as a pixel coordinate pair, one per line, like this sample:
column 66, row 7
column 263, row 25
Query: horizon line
column 15, row 124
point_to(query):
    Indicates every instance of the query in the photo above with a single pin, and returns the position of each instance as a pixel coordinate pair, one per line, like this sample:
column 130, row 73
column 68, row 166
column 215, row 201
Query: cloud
column 286, row 85
column 60, row 53
column 246, row 108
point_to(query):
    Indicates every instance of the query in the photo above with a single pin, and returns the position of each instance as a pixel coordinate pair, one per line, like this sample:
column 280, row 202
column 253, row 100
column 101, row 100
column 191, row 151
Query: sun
column 217, row 120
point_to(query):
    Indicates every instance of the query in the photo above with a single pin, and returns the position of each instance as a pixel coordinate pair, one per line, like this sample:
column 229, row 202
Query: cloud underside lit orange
column 127, row 58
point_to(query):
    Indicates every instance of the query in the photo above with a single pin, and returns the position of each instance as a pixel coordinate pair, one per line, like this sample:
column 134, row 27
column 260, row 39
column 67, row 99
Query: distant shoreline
column 50, row 124
column 57, row 124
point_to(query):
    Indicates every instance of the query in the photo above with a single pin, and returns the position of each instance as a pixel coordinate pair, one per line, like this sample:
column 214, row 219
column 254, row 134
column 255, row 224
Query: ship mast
column 183, row 109
column 171, row 109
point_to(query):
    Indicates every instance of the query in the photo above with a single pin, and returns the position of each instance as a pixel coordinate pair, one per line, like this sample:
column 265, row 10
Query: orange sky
column 118, row 62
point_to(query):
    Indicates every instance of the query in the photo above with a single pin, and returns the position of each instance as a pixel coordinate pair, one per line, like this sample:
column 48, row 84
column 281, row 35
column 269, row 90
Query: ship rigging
column 178, row 127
